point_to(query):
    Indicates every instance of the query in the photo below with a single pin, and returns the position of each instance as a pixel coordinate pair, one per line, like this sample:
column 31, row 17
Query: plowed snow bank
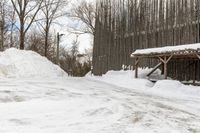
column 22, row 63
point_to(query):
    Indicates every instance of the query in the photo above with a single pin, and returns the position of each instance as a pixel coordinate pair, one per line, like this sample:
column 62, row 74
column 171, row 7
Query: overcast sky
column 85, row 40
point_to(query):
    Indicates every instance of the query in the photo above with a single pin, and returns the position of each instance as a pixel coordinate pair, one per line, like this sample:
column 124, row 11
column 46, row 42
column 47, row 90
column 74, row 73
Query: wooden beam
column 161, row 59
column 198, row 56
column 165, row 60
column 154, row 69
column 169, row 58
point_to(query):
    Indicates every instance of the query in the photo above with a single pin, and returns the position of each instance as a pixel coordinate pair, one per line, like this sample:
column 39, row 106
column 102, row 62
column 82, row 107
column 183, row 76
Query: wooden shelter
column 166, row 54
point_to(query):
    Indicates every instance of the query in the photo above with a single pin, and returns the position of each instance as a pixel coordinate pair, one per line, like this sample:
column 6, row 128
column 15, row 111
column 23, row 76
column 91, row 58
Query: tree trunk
column 22, row 39
column 46, row 42
column 22, row 36
column 2, row 35
column 46, row 37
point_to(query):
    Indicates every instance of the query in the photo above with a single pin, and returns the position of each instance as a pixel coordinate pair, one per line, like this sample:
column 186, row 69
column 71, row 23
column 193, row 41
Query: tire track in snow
column 133, row 109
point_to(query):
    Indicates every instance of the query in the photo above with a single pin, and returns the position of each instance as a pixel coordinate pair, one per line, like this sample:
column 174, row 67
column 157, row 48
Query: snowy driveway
column 82, row 105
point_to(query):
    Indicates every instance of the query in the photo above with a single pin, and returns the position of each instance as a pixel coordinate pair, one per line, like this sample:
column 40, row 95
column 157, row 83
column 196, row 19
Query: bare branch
column 85, row 13
column 26, row 11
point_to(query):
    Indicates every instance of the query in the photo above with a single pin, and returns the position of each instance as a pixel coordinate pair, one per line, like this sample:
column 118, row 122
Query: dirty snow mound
column 22, row 63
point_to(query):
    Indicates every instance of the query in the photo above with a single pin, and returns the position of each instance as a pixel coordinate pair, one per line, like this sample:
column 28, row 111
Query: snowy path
column 81, row 105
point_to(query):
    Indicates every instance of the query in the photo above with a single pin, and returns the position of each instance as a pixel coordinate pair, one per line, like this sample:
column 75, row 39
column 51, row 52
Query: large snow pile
column 22, row 63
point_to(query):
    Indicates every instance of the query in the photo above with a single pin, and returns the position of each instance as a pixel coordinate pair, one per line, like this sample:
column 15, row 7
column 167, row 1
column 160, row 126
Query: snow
column 176, row 89
column 125, row 79
column 21, row 63
column 114, row 103
column 164, row 88
column 167, row 49
column 85, row 105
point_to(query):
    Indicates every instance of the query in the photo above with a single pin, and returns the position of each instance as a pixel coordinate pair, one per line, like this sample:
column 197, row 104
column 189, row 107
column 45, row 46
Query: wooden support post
column 194, row 74
column 136, row 67
column 165, row 67
column 162, row 68
column 195, row 69
column 165, row 60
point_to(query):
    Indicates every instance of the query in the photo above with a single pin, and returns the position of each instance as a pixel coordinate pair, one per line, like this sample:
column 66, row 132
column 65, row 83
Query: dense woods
column 123, row 26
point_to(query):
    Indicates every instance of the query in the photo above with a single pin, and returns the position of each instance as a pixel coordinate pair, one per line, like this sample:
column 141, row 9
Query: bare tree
column 88, row 55
column 85, row 14
column 74, row 49
column 12, row 26
column 51, row 11
column 36, row 43
column 3, row 22
column 74, row 63
column 26, row 11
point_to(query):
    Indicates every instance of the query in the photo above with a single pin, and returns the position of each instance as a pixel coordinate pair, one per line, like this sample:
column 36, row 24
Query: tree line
column 123, row 26
column 27, row 24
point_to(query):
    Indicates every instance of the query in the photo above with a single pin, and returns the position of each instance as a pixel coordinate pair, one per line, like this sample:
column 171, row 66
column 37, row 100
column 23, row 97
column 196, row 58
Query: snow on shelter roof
column 167, row 50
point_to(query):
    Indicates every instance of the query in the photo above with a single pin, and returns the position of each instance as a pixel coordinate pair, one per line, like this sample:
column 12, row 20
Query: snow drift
column 164, row 88
column 173, row 88
column 22, row 63
column 125, row 79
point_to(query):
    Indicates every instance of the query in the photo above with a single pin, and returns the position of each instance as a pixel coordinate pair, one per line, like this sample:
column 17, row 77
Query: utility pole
column 58, row 46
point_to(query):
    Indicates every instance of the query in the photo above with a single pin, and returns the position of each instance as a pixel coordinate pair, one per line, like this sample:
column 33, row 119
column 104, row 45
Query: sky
column 85, row 40
column 62, row 25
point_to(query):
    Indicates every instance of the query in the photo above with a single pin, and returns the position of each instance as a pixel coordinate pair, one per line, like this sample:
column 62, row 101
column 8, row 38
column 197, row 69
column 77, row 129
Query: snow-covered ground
column 114, row 103
column 83, row 105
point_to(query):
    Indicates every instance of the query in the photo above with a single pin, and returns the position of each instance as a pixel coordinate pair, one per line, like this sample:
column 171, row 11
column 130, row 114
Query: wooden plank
column 155, row 68
column 198, row 56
